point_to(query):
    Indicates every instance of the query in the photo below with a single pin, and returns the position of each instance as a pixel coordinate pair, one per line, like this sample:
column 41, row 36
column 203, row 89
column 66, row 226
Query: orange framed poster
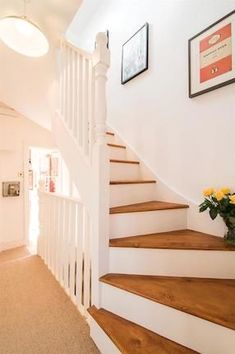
column 212, row 57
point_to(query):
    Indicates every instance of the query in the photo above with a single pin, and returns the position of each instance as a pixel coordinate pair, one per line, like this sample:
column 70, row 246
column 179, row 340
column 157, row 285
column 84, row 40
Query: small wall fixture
column 10, row 189
column 23, row 36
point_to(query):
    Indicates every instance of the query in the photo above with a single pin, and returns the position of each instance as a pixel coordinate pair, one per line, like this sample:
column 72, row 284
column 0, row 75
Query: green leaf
column 202, row 207
column 232, row 219
column 213, row 213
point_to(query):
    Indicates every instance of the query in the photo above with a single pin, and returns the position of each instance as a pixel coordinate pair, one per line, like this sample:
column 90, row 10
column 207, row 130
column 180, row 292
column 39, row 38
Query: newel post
column 100, row 167
column 101, row 63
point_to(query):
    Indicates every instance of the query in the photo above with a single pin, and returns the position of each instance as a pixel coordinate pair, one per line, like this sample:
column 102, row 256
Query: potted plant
column 221, row 202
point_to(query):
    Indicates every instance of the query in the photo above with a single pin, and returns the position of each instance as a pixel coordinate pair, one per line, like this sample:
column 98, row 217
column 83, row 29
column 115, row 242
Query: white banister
column 63, row 245
column 74, row 235
column 76, row 94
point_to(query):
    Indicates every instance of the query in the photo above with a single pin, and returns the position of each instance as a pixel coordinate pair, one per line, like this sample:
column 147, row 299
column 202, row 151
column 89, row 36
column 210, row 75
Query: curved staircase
column 157, row 287
column 170, row 289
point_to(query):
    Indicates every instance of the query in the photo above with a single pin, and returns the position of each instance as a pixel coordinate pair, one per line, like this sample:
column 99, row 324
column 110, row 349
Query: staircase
column 169, row 290
column 157, row 287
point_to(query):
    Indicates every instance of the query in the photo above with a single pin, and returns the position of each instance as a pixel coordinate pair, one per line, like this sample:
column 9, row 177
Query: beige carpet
column 36, row 316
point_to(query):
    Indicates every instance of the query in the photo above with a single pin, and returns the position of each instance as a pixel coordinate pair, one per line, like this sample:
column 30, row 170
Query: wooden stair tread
column 110, row 133
column 132, row 182
column 146, row 206
column 124, row 161
column 210, row 299
column 180, row 239
column 131, row 338
column 117, row 146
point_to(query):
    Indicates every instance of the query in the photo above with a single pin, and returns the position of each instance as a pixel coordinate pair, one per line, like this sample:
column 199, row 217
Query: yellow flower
column 219, row 195
column 232, row 199
column 225, row 190
column 208, row 192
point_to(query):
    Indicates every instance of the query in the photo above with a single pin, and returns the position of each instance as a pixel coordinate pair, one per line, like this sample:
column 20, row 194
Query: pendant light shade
column 24, row 37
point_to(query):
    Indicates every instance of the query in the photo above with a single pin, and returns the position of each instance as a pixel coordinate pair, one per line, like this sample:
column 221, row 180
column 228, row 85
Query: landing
column 36, row 316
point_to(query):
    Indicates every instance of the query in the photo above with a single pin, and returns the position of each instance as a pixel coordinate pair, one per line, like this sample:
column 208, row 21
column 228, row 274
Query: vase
column 229, row 237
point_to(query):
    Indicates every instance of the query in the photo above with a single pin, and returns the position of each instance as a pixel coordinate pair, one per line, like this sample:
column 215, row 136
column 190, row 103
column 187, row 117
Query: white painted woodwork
column 131, row 193
column 77, row 94
column 169, row 262
column 111, row 139
column 132, row 224
column 117, row 153
column 64, row 245
column 103, row 342
column 193, row 332
column 124, row 171
column 80, row 133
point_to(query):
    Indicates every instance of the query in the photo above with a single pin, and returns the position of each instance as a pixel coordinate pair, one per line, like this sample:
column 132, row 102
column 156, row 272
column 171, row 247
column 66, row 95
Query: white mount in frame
column 135, row 54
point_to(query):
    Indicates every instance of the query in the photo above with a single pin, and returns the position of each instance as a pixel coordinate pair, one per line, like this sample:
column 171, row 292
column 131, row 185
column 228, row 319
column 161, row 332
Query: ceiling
column 52, row 16
column 29, row 85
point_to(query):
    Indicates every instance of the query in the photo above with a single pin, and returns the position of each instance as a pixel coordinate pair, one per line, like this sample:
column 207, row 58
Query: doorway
column 48, row 173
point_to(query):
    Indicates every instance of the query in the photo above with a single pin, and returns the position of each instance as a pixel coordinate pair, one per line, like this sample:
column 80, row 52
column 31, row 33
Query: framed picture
column 212, row 56
column 135, row 54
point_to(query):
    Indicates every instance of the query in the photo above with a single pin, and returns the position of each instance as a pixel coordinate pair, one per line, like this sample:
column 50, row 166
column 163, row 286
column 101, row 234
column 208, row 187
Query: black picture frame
column 131, row 67
column 202, row 51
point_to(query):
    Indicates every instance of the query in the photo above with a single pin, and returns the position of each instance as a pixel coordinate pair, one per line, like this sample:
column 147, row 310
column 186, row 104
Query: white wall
column 16, row 135
column 188, row 143
column 29, row 84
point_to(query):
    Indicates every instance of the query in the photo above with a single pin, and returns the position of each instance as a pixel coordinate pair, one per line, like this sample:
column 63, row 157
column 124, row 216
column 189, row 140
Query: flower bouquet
column 221, row 202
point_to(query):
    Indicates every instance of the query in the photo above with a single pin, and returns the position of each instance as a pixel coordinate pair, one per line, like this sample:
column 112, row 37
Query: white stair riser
column 185, row 263
column 124, row 171
column 191, row 331
column 117, row 153
column 110, row 139
column 131, row 193
column 131, row 224
column 103, row 342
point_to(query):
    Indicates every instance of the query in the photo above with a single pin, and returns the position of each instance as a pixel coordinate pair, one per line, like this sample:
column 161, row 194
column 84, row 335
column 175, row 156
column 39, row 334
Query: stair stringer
column 79, row 168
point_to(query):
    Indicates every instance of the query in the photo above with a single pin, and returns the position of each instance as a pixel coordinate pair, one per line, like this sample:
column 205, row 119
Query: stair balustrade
column 64, row 245
column 79, row 128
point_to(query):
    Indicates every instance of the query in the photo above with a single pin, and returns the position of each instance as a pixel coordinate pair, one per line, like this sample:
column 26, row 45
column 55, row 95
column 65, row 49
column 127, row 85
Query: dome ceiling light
column 23, row 36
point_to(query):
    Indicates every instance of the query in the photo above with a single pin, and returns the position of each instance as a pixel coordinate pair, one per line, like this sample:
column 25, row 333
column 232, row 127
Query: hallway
column 36, row 316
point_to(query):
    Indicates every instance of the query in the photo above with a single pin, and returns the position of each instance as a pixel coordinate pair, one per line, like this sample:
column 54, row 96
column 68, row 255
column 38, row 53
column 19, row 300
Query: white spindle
column 63, row 235
column 72, row 251
column 79, row 255
column 86, row 261
column 91, row 125
column 66, row 85
column 75, row 82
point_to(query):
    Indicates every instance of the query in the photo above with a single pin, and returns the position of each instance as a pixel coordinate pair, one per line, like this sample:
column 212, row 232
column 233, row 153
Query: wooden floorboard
column 181, row 240
column 210, row 299
column 131, row 338
column 125, row 161
column 132, row 182
column 146, row 206
column 117, row 146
